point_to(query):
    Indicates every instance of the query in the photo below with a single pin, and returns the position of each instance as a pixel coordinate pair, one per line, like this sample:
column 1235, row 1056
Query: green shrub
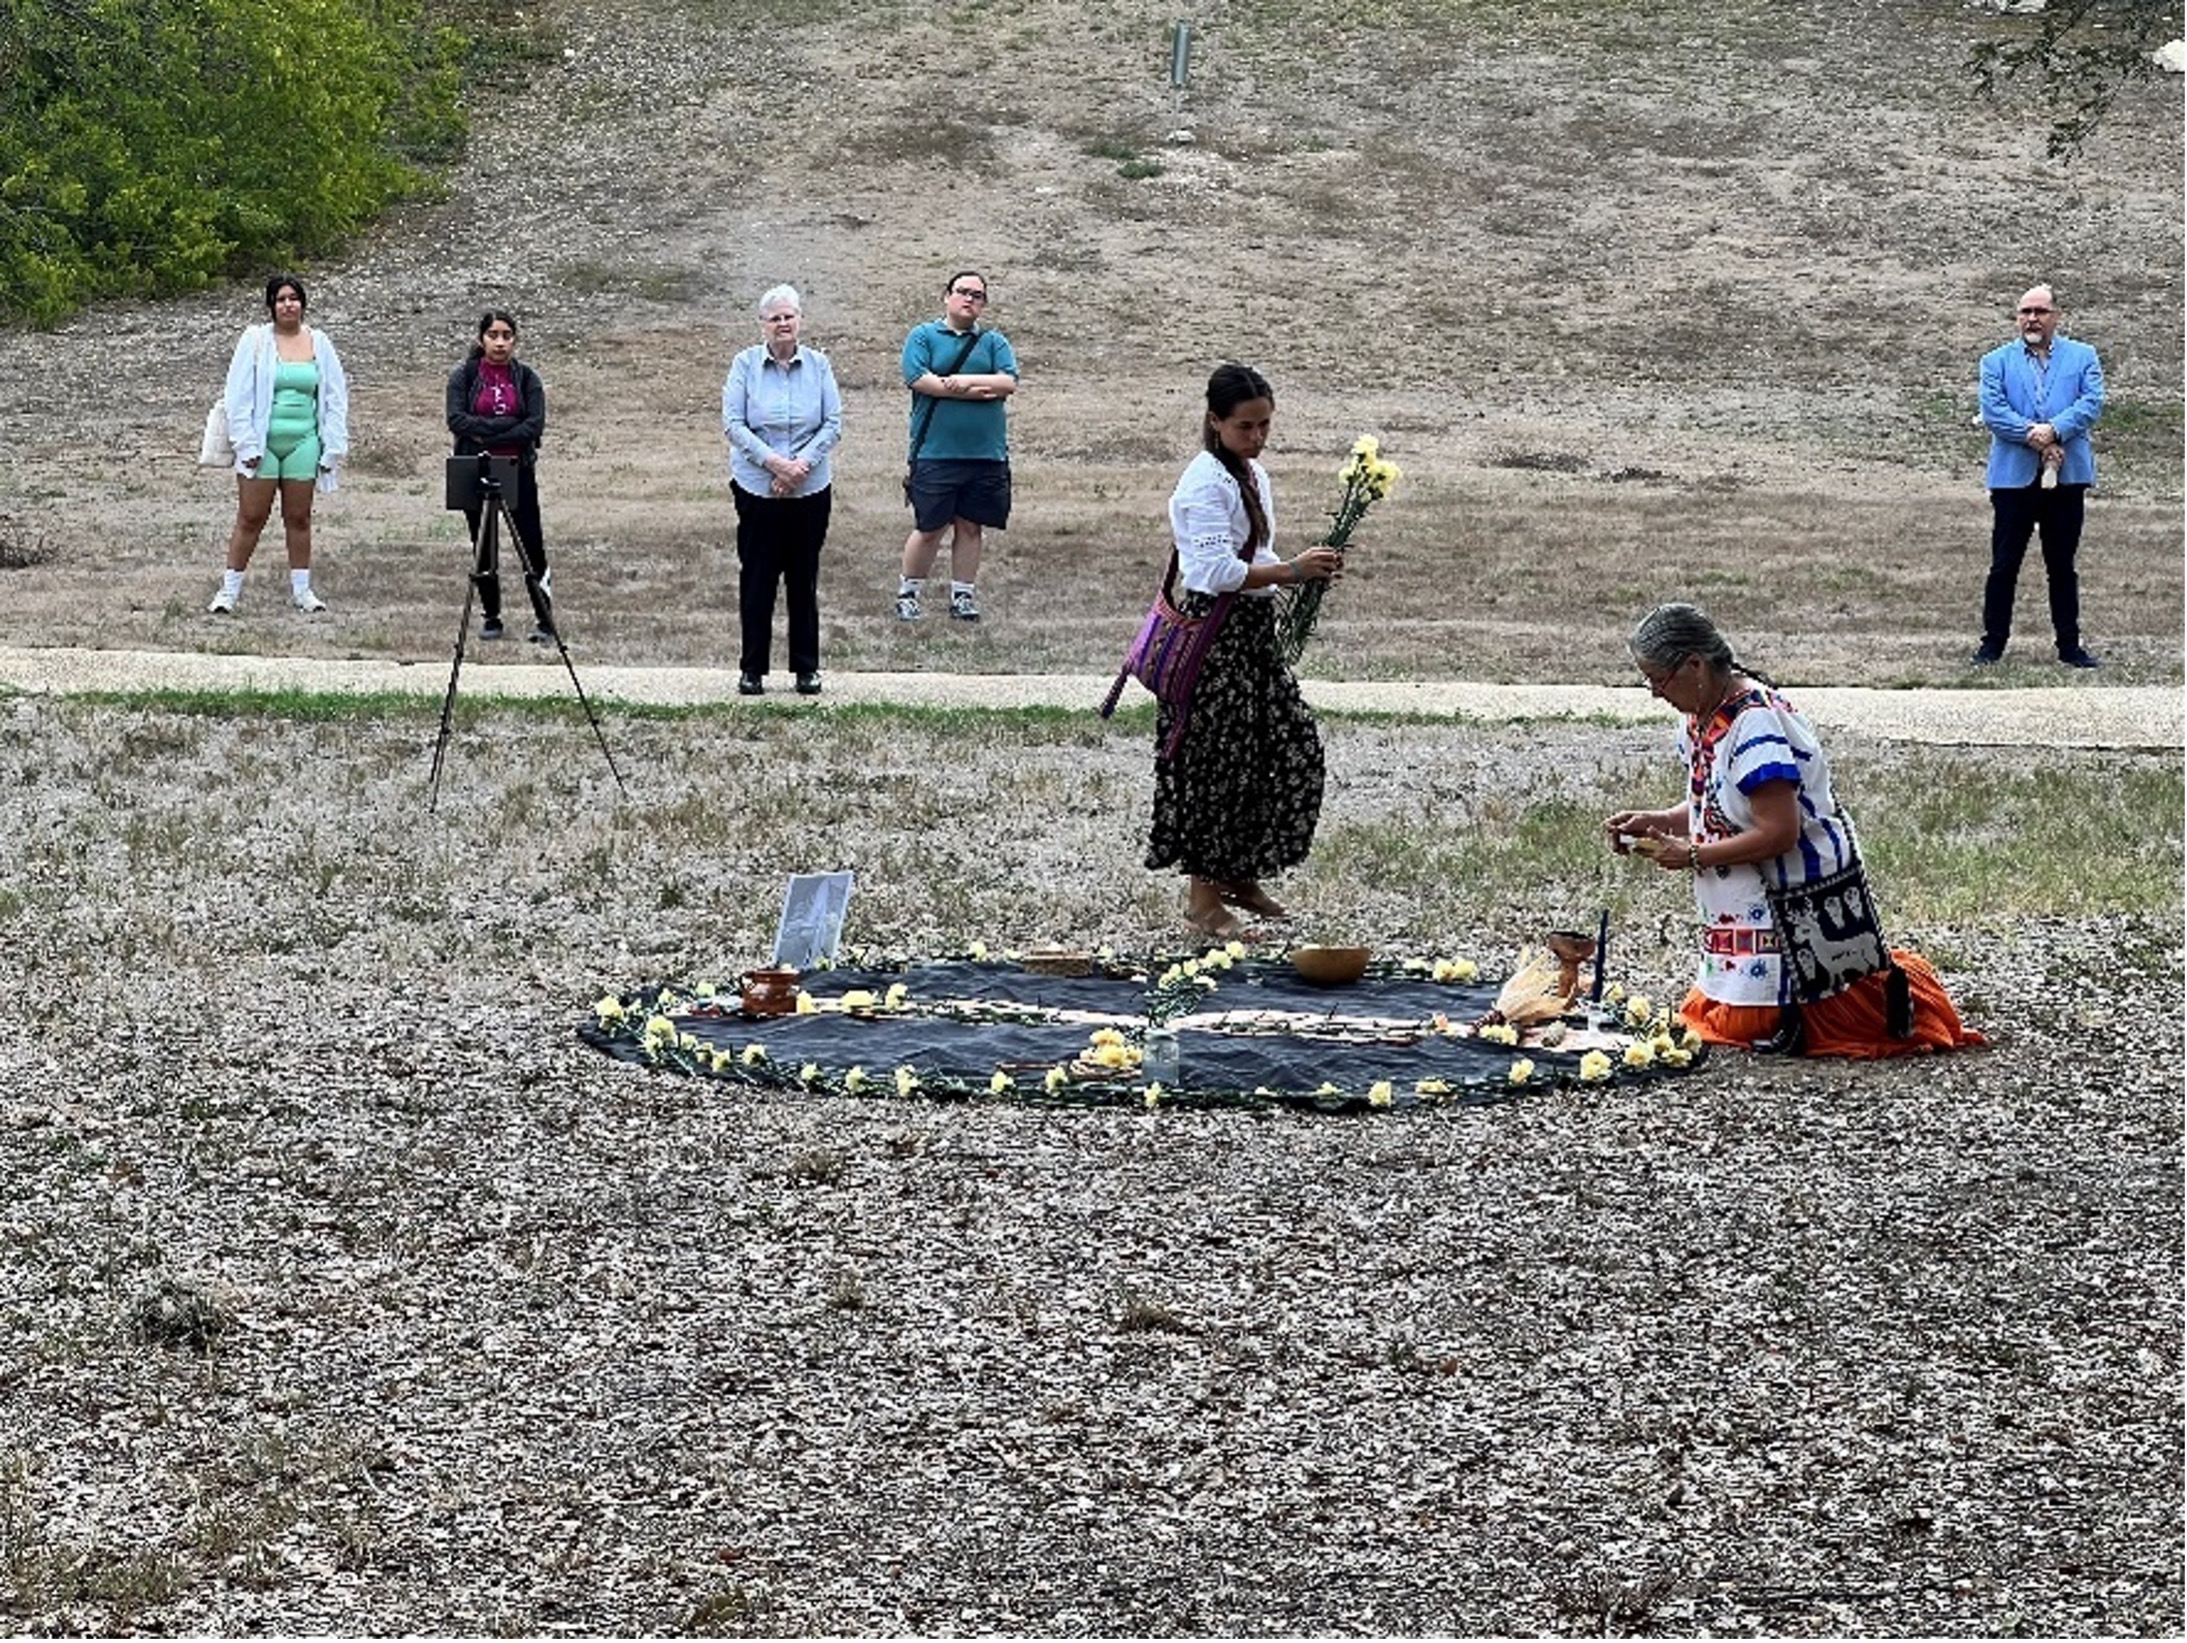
column 150, row 146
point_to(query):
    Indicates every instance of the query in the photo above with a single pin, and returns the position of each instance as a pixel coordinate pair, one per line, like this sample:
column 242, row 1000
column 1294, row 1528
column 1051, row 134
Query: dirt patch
column 1641, row 308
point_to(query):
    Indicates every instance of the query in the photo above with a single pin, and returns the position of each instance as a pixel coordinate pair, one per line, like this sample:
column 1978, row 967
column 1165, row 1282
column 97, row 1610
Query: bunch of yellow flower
column 1365, row 479
column 1108, row 1048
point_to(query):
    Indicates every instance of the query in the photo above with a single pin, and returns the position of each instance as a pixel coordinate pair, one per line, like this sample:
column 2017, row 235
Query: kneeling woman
column 1792, row 955
column 1240, row 796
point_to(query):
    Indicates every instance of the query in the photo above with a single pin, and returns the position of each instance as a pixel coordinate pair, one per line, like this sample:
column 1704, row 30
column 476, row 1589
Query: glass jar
column 1159, row 1056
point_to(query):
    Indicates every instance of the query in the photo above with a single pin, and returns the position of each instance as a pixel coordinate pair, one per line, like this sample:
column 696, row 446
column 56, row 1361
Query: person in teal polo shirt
column 958, row 480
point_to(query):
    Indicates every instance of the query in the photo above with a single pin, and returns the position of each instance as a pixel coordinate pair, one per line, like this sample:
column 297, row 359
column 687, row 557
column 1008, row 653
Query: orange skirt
column 1850, row 1024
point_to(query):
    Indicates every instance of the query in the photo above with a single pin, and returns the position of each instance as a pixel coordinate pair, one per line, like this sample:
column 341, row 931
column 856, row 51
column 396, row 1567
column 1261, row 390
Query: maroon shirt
column 497, row 396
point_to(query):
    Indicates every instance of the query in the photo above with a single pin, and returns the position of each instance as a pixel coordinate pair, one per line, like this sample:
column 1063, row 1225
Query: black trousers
column 530, row 548
column 2015, row 516
column 778, row 542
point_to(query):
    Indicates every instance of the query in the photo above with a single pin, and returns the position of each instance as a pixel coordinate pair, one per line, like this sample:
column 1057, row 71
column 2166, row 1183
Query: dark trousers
column 778, row 541
column 530, row 548
column 2017, row 515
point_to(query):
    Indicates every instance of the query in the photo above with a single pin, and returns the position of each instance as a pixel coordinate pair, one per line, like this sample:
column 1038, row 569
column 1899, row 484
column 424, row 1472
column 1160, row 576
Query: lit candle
column 1602, row 952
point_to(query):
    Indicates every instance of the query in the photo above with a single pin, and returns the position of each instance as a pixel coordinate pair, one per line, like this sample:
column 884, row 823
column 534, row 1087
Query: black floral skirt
column 1242, row 795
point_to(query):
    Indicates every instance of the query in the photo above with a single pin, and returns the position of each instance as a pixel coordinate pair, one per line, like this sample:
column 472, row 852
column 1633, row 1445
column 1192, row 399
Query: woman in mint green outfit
column 288, row 415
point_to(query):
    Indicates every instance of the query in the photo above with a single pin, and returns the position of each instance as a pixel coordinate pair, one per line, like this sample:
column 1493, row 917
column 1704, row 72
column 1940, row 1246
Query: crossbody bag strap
column 918, row 434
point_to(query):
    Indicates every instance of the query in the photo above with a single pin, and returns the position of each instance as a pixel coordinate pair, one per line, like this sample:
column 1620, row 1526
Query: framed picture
column 813, row 908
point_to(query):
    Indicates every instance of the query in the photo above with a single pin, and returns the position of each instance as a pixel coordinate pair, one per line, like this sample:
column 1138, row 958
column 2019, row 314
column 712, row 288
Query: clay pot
column 770, row 992
column 1571, row 950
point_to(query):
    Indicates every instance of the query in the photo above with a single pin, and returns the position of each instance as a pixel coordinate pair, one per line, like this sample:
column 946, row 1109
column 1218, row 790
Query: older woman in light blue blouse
column 782, row 415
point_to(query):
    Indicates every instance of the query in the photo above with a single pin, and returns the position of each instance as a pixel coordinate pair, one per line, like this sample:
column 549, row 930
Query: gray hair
column 1670, row 633
column 778, row 293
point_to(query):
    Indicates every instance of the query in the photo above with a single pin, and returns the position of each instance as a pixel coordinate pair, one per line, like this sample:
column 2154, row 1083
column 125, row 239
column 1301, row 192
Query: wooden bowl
column 1331, row 966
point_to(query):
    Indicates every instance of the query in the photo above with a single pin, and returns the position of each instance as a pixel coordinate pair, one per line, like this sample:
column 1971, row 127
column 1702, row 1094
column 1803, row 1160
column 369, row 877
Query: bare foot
column 1221, row 925
column 1253, row 899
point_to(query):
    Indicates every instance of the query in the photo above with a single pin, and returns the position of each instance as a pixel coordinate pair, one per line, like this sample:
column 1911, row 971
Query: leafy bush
column 149, row 146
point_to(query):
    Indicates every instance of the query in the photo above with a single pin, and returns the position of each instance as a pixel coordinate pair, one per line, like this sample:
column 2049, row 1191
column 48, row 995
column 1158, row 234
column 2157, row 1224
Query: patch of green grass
column 648, row 282
column 924, row 140
column 1954, row 839
column 1950, row 837
column 306, row 705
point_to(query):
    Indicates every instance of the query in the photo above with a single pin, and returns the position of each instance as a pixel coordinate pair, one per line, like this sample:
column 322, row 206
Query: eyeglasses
column 969, row 296
column 2038, row 311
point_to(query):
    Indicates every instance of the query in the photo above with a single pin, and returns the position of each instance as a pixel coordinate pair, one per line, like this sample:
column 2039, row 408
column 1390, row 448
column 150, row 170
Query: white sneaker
column 310, row 603
column 223, row 603
column 907, row 607
column 963, row 606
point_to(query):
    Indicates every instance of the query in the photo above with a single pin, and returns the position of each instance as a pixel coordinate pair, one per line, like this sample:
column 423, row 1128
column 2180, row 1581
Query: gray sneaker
column 907, row 607
column 963, row 606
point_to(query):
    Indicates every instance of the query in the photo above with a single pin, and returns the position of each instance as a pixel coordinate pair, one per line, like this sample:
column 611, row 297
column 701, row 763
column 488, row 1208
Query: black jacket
column 475, row 433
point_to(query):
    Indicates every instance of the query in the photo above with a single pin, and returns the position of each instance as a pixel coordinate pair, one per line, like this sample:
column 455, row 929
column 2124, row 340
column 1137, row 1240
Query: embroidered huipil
column 1751, row 741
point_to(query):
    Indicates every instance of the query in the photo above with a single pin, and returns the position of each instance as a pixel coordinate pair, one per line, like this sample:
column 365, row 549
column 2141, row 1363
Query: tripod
column 484, row 482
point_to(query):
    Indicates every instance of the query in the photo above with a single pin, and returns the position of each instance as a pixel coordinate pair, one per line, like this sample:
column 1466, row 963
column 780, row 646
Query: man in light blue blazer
column 2041, row 393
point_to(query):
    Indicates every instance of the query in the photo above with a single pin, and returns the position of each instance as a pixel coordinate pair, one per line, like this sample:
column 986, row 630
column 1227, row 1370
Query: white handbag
column 216, row 449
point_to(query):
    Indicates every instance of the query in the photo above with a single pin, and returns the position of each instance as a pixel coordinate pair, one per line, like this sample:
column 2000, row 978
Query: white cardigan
column 249, row 399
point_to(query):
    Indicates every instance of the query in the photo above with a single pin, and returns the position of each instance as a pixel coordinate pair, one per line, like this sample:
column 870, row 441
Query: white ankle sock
column 299, row 581
column 231, row 583
column 960, row 587
column 909, row 585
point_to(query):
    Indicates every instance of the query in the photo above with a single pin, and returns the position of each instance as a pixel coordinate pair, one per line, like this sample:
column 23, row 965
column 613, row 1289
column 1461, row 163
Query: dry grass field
column 1659, row 300
column 342, row 1290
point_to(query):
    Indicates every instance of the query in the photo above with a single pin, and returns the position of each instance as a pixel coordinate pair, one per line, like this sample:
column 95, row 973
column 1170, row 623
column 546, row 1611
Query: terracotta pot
column 1570, row 949
column 770, row 992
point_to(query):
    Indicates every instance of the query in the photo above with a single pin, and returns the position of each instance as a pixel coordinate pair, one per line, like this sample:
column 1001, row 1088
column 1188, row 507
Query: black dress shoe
column 490, row 628
column 2078, row 658
column 1986, row 657
column 808, row 684
column 748, row 684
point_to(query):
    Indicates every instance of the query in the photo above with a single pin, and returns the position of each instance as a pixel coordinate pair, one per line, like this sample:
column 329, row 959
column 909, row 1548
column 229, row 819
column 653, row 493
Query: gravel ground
column 345, row 1291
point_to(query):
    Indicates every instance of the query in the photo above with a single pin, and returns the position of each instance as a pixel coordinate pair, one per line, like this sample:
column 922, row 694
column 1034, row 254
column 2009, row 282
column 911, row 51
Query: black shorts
column 946, row 488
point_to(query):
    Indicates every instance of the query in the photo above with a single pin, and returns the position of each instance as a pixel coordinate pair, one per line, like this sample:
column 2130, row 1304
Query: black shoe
column 748, row 684
column 542, row 635
column 808, row 684
column 1986, row 657
column 490, row 628
column 2078, row 657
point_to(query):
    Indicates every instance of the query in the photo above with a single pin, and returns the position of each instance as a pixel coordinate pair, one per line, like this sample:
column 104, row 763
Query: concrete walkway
column 2088, row 714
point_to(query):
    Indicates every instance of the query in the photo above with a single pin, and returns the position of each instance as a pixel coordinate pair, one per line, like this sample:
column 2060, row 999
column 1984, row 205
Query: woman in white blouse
column 1239, row 798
